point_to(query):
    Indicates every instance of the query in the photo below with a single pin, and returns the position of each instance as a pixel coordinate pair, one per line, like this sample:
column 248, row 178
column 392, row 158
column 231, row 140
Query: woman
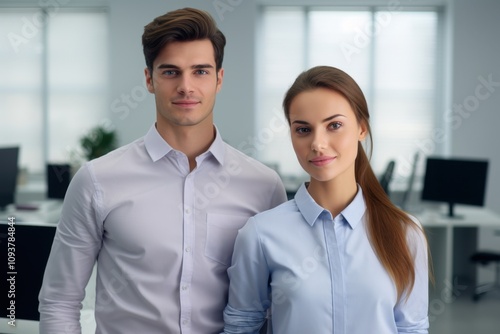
column 340, row 257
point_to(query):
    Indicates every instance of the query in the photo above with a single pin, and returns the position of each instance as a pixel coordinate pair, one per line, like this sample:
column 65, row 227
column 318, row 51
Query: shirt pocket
column 221, row 234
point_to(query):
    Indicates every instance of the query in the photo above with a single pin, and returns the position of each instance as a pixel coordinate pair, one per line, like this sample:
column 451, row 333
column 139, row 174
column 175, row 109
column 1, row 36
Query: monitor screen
column 455, row 181
column 58, row 178
column 32, row 249
column 8, row 175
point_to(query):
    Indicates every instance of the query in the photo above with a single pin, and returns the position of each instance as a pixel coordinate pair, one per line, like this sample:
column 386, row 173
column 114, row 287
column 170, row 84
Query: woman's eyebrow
column 325, row 120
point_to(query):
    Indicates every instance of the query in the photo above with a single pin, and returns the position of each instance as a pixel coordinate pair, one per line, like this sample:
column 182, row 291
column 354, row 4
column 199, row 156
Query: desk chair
column 386, row 178
column 485, row 258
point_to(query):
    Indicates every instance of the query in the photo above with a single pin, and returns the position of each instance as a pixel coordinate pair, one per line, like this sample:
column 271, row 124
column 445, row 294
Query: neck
column 334, row 195
column 190, row 140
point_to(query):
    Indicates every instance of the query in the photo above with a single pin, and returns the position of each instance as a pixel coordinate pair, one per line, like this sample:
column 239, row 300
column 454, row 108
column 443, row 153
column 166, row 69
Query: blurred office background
column 430, row 71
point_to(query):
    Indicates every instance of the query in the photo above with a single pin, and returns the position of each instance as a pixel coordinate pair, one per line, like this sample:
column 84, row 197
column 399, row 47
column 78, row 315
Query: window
column 54, row 80
column 393, row 55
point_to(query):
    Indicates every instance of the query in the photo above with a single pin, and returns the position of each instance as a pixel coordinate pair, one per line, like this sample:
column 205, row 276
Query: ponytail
column 387, row 226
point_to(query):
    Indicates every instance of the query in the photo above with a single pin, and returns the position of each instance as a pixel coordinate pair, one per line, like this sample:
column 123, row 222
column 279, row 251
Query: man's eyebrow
column 323, row 121
column 168, row 66
column 202, row 66
column 197, row 66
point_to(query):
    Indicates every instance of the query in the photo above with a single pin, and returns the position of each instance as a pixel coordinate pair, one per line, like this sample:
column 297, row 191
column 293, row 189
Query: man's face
column 185, row 82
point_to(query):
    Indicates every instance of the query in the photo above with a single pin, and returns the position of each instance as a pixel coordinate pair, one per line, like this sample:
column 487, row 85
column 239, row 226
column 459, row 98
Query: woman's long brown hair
column 387, row 224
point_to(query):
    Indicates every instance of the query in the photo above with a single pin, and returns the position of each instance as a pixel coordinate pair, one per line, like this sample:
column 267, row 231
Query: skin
column 185, row 83
column 325, row 135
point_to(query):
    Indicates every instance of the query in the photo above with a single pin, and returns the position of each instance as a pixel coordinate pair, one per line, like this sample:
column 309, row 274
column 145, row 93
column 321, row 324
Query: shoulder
column 239, row 160
column 116, row 164
column 122, row 164
column 273, row 227
column 286, row 208
column 415, row 234
column 284, row 214
column 121, row 158
column 414, row 224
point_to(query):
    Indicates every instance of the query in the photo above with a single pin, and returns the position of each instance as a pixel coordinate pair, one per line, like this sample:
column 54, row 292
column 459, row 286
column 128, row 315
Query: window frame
column 43, row 14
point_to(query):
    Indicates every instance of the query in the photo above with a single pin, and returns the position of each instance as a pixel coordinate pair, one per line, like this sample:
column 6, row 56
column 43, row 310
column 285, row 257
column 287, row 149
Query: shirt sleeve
column 279, row 195
column 411, row 312
column 248, row 287
column 72, row 257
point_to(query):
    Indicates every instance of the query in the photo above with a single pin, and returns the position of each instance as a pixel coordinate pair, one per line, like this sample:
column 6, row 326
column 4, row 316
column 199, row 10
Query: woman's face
column 325, row 134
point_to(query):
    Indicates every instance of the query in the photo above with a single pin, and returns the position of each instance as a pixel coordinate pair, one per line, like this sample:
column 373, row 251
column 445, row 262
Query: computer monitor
column 455, row 181
column 58, row 178
column 8, row 175
column 21, row 283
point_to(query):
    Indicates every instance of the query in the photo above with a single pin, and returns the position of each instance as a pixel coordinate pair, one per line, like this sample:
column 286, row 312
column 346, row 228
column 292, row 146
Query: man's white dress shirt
column 162, row 236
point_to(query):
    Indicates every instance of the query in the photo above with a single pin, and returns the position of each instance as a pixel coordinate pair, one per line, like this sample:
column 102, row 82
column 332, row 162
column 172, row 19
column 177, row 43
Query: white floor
column 464, row 316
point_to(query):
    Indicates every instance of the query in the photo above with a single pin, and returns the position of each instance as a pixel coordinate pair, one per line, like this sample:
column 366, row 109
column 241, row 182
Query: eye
column 201, row 72
column 335, row 125
column 170, row 73
column 302, row 130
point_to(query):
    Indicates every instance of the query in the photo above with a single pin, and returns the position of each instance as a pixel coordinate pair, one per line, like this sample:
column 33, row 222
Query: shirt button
column 188, row 249
column 184, row 287
column 187, row 211
column 185, row 322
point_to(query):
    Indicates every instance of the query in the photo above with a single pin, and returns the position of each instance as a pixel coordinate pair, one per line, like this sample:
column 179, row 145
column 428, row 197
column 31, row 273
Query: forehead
column 319, row 103
column 186, row 53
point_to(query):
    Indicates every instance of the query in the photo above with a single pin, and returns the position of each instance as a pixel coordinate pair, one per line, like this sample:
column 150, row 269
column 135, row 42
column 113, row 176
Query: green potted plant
column 98, row 142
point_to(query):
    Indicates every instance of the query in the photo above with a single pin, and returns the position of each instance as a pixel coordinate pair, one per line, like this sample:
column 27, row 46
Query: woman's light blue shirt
column 319, row 274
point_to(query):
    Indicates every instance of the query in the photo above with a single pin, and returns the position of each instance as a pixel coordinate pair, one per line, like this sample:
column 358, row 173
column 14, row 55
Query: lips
column 321, row 161
column 185, row 103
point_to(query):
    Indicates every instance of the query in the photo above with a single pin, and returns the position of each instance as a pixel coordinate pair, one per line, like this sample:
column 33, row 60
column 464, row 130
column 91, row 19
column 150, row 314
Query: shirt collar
column 355, row 211
column 311, row 210
column 218, row 147
column 308, row 207
column 157, row 147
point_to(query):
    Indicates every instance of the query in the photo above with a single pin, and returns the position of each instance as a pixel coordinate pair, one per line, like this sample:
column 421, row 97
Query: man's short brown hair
column 182, row 25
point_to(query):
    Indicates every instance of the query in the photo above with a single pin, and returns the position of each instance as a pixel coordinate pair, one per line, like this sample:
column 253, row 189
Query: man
column 160, row 215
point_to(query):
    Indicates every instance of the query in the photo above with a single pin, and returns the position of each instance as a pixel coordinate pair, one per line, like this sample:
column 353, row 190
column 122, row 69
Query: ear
column 220, row 78
column 363, row 131
column 149, row 80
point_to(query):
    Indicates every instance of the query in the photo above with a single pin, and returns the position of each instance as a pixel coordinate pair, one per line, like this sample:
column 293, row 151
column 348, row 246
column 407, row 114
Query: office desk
column 452, row 241
column 33, row 233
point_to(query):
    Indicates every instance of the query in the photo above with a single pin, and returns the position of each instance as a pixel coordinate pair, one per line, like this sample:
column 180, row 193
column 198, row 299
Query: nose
column 184, row 86
column 319, row 142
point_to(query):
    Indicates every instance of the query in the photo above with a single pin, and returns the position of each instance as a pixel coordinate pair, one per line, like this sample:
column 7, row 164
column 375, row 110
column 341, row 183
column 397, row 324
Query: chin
column 320, row 178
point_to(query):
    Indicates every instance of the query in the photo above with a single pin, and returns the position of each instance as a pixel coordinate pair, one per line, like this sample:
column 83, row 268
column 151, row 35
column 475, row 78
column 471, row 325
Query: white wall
column 476, row 54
